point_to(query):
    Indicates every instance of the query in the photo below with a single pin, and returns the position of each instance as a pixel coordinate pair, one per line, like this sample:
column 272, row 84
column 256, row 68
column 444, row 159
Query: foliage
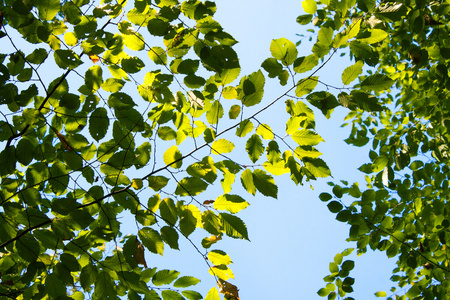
column 123, row 114
column 399, row 104
column 115, row 112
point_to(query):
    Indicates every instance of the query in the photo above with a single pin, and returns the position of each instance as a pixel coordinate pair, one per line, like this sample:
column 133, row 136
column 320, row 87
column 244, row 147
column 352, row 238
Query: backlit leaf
column 233, row 226
column 309, row 6
column 352, row 72
column 221, row 146
column 190, row 186
column 254, row 147
column 98, row 123
column 173, row 157
column 284, row 50
column 306, row 137
column 164, row 277
column 377, row 82
column 306, row 86
column 152, row 240
column 231, row 203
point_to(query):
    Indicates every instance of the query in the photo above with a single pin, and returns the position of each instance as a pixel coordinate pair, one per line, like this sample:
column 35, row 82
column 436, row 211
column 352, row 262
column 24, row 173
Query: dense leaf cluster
column 116, row 111
column 402, row 50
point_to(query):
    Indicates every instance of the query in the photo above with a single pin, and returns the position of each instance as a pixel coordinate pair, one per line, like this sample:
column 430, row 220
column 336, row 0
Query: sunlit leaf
column 284, row 50
column 222, row 146
column 231, row 203
column 352, row 72
column 233, row 226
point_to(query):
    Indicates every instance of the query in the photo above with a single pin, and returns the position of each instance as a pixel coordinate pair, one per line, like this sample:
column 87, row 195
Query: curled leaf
column 229, row 290
column 63, row 140
column 139, row 256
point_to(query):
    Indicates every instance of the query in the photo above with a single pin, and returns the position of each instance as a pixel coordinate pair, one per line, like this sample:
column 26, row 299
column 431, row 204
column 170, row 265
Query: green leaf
column 304, row 64
column 166, row 133
column 272, row 66
column 348, row 265
column 98, row 123
column 164, row 277
column 213, row 294
column 158, row 55
column 324, row 101
column 233, row 226
column 48, row 9
column 218, row 257
column 173, row 157
column 306, row 137
column 104, row 287
column 306, row 86
column 132, row 64
column 66, row 59
column 231, row 203
column 171, row 295
column 323, row 292
column 37, row 57
column 379, row 163
column 188, row 219
column 54, row 285
column 254, row 147
column 8, row 163
column 381, row 294
column 247, row 181
column 325, row 197
column 59, row 178
column 157, row 27
column 352, row 72
column 317, row 167
column 214, row 113
column 93, row 78
column 376, row 35
column 265, row 131
column 169, row 211
column 36, row 173
column 335, row 206
column 414, row 291
column 134, row 41
column 151, row 240
column 113, row 85
column 252, row 89
column 309, row 6
column 244, row 127
column 265, row 183
column 284, row 50
column 221, row 146
column 377, row 82
column 170, row 237
column 192, row 295
column 190, row 186
column 185, row 281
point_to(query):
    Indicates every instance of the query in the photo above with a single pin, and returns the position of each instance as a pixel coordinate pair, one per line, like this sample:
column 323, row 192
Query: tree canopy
column 117, row 113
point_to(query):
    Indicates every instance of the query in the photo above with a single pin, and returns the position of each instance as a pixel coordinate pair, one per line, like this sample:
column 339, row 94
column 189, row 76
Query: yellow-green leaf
column 173, row 157
column 231, row 203
column 309, row 6
column 352, row 72
column 218, row 257
column 222, row 146
column 306, row 137
column 306, row 86
column 265, row 131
